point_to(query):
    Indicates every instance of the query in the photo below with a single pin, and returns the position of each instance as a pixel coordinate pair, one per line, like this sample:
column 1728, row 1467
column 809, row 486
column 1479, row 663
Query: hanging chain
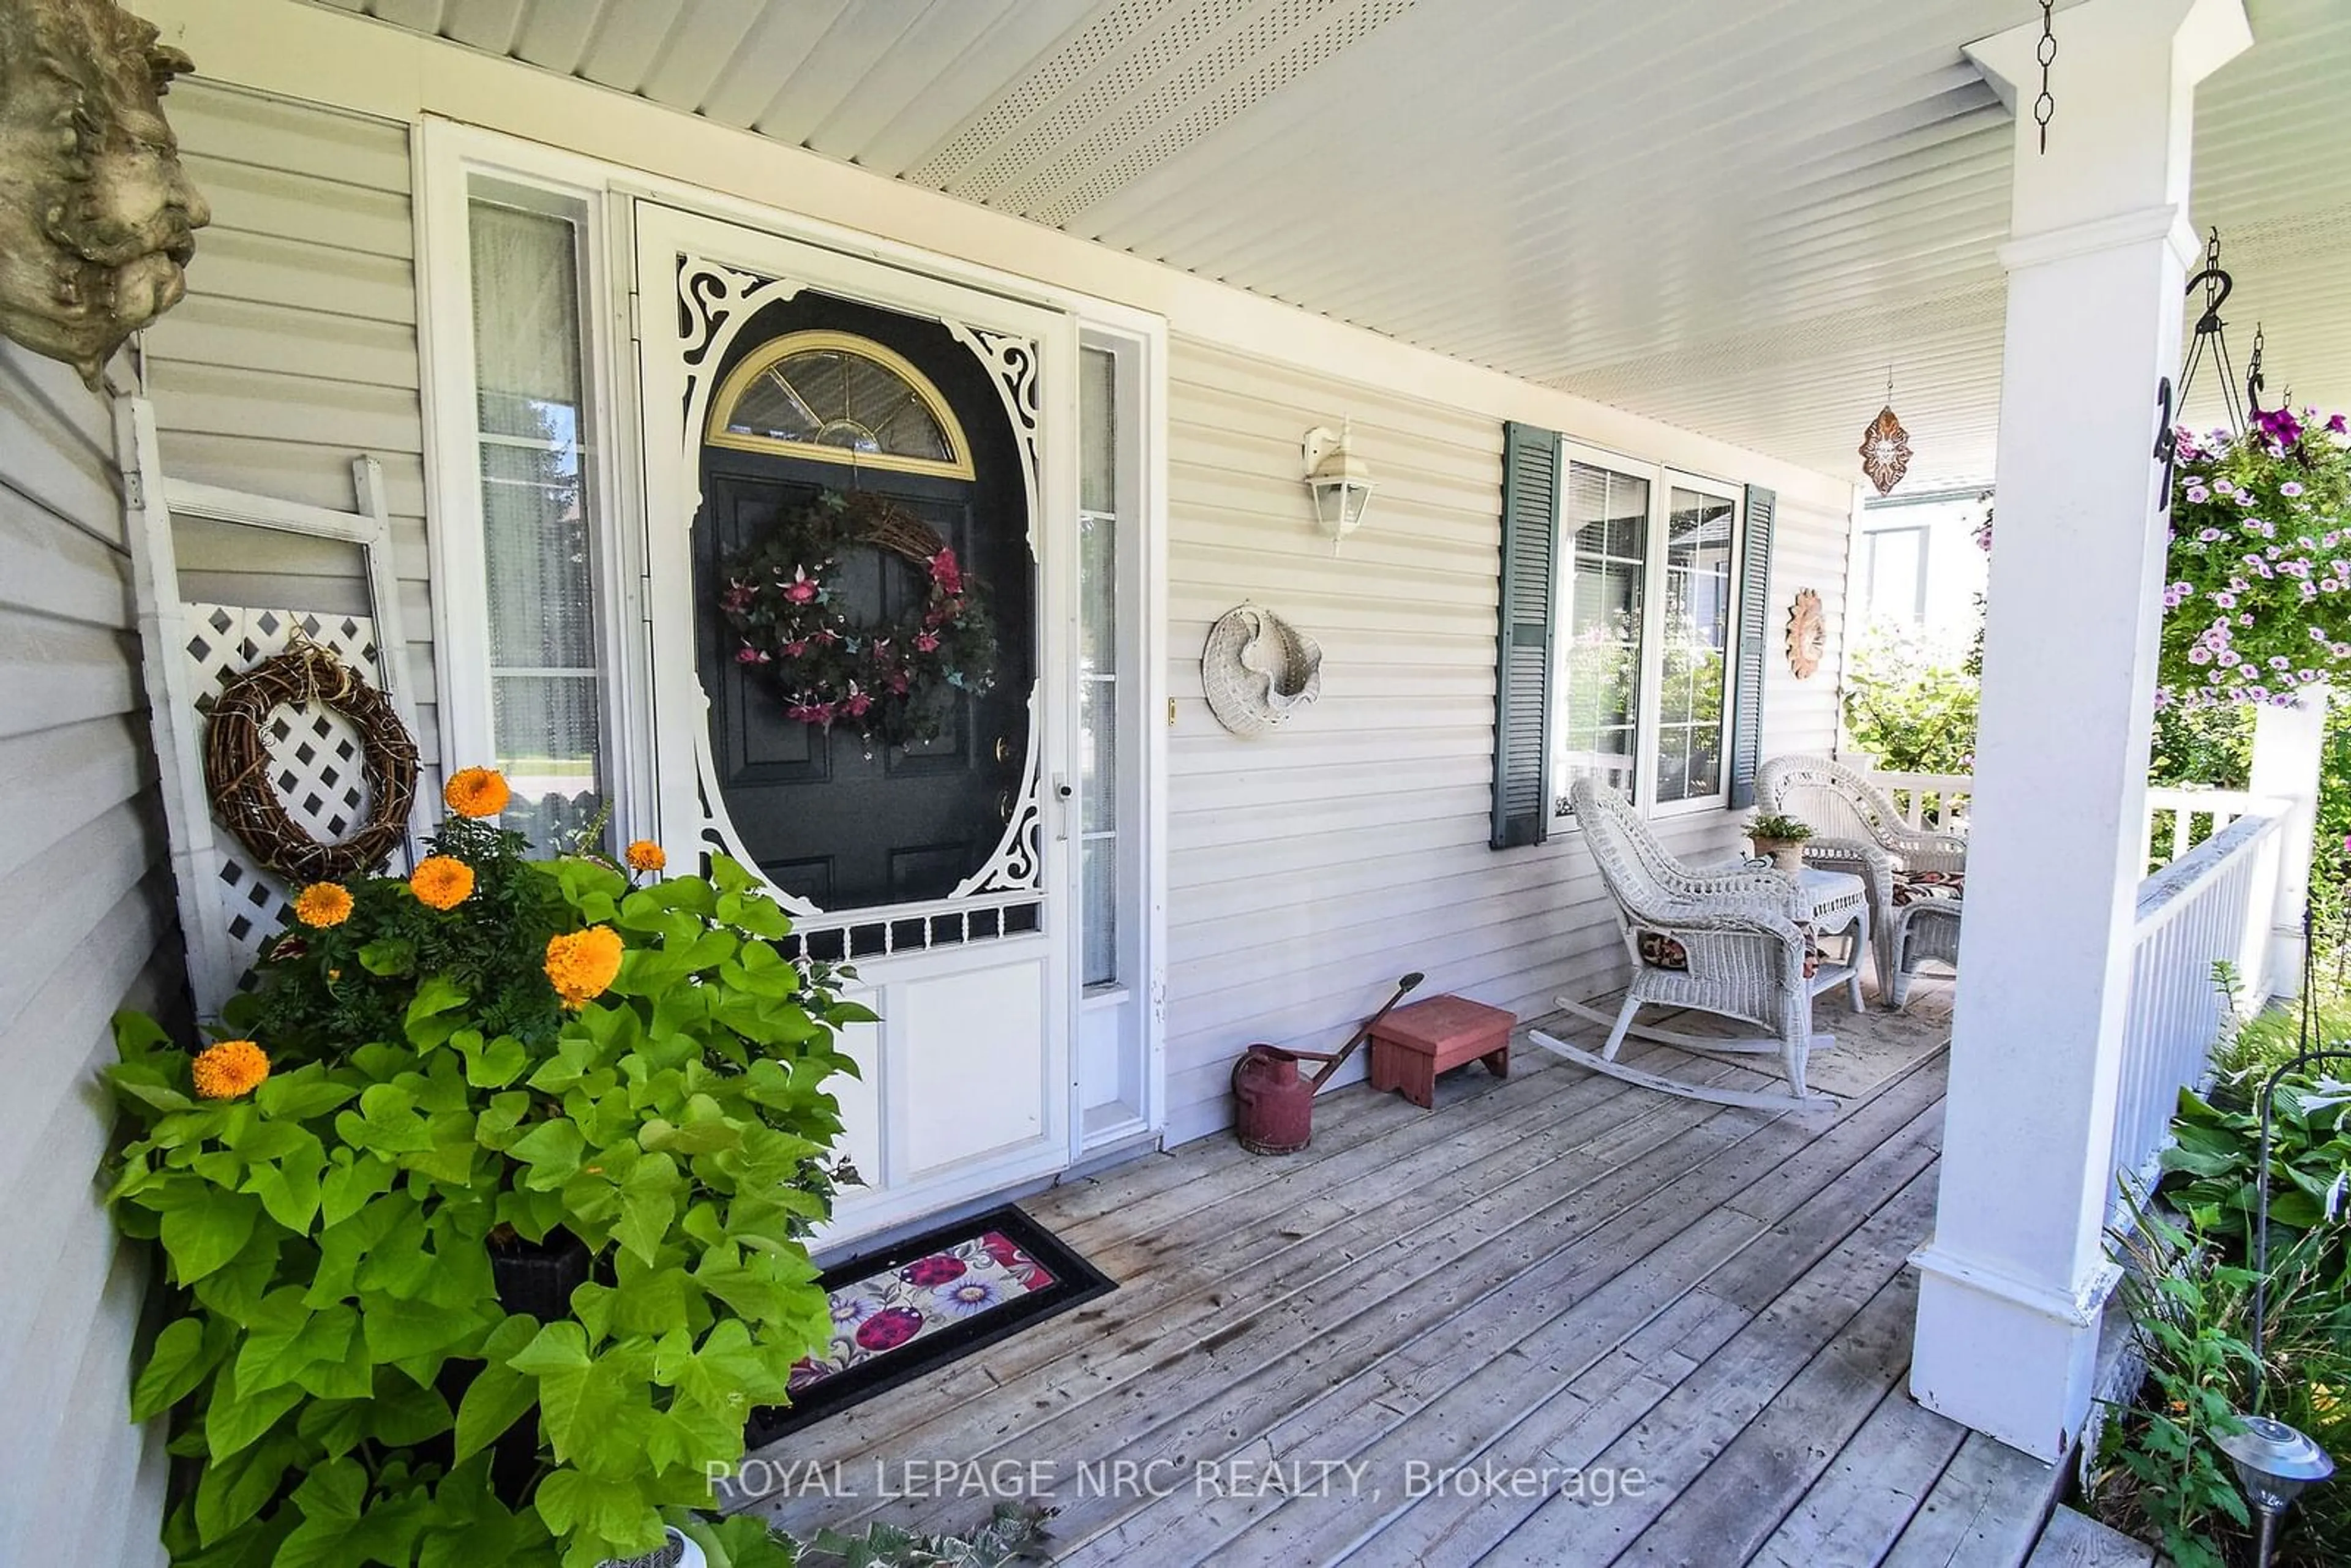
column 2045, row 106
column 2254, row 381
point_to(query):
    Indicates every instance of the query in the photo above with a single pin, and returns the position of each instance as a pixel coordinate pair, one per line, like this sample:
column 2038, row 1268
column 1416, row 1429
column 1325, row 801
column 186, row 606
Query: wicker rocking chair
column 1737, row 942
column 1857, row 828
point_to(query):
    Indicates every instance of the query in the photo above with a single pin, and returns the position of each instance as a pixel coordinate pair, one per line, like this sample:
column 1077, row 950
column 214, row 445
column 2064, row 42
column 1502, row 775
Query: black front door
column 830, row 816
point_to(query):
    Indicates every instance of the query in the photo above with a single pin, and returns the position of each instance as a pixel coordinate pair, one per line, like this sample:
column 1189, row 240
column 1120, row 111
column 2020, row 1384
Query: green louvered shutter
column 1523, row 663
column 1754, row 640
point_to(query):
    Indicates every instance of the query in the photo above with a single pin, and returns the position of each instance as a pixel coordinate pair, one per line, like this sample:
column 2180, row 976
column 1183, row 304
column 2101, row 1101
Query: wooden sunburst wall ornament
column 1885, row 445
column 1808, row 633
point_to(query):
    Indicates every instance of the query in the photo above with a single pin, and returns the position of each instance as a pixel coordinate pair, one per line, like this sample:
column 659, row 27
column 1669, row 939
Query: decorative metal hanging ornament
column 2046, row 51
column 1885, row 445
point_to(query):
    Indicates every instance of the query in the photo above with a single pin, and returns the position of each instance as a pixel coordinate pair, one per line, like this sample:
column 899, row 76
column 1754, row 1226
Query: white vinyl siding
column 82, row 868
column 1313, row 867
column 294, row 352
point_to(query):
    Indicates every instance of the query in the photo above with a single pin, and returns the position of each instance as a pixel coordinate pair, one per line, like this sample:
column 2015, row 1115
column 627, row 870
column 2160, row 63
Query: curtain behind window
column 538, row 520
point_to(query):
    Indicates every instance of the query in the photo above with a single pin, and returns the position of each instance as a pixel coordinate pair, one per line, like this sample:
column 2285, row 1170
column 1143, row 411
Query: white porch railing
column 2178, row 818
column 2215, row 904
column 1933, row 802
column 2217, row 877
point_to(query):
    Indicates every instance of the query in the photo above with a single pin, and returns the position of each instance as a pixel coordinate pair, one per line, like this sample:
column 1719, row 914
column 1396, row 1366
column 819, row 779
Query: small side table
column 1840, row 903
column 1411, row 1045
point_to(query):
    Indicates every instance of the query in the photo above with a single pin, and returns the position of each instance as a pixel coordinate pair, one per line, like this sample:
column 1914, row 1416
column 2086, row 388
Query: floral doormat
column 929, row 1301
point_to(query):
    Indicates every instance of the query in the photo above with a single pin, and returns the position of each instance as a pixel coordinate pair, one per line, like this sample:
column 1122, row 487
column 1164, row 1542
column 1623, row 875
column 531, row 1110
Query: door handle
column 1063, row 795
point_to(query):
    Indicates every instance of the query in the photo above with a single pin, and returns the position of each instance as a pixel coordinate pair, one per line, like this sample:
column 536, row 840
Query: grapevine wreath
column 237, row 764
column 886, row 682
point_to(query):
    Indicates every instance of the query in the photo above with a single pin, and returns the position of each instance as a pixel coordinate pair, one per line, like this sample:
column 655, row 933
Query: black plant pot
column 534, row 1279
column 537, row 1277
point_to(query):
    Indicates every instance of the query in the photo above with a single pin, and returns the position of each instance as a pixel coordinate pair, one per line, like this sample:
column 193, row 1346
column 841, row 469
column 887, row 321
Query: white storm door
column 960, row 926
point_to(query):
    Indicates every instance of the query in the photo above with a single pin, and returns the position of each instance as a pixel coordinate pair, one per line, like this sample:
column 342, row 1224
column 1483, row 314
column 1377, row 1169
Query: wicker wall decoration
column 237, row 764
column 1257, row 670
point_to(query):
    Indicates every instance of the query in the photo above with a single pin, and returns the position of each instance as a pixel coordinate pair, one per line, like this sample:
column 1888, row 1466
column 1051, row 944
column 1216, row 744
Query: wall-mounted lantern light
column 1341, row 481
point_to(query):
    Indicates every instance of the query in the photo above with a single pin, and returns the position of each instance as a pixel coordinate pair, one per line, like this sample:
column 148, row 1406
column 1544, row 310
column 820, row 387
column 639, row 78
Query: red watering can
column 1277, row 1105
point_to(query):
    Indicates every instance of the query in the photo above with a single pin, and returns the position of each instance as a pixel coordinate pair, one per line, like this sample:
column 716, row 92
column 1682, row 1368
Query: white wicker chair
column 1733, row 942
column 1855, row 828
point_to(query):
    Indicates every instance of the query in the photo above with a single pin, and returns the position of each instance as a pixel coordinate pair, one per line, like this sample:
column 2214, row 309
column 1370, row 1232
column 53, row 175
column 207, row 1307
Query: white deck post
column 2289, row 748
column 2015, row 1276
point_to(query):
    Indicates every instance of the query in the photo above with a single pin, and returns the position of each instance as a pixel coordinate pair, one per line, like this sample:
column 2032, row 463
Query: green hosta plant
column 494, row 1050
column 2210, row 1169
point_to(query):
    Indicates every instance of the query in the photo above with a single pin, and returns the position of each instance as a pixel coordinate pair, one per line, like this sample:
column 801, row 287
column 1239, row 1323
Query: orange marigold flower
column 477, row 792
column 232, row 1067
column 442, row 881
column 323, row 903
column 646, row 855
column 582, row 964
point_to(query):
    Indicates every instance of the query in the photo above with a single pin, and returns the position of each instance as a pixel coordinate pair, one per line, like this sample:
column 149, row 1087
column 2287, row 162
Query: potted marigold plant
column 495, row 1057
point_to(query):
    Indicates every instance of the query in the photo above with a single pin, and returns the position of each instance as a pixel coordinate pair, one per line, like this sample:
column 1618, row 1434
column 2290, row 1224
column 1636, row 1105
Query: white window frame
column 1916, row 614
column 450, row 161
column 1647, row 718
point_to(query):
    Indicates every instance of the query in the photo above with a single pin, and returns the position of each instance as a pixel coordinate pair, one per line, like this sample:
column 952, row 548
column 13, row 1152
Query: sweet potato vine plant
column 494, row 1051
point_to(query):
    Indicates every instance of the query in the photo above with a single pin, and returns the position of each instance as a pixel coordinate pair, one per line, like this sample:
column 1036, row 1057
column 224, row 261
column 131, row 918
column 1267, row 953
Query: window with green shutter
column 1634, row 611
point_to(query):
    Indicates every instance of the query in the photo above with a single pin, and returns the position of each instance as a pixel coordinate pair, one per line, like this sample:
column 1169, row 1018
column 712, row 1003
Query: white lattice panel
column 316, row 764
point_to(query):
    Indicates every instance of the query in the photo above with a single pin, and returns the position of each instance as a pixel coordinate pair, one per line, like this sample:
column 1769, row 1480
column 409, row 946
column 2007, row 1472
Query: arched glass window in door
column 838, row 398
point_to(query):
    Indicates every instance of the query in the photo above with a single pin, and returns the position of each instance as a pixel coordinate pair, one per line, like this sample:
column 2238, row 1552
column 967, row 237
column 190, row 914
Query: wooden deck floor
column 1558, row 1321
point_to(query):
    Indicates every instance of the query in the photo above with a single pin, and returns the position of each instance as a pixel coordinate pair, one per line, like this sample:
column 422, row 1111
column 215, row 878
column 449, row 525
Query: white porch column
column 2014, row 1280
column 2289, row 748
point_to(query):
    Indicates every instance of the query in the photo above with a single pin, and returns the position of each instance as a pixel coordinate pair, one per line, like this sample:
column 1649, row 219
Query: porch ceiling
column 1730, row 217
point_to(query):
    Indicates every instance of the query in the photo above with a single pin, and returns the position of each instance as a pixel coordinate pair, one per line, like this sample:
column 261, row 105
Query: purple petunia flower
column 2290, row 487
column 2198, row 494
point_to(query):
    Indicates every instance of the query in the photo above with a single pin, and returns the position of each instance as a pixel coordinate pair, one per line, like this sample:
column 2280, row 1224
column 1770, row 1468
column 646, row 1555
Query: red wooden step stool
column 1411, row 1045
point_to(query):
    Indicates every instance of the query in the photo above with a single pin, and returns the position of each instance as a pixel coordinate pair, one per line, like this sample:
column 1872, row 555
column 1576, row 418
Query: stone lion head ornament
column 98, row 219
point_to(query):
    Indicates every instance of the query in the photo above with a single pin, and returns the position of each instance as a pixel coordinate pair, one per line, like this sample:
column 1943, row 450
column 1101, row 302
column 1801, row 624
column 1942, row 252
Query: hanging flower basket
column 2257, row 592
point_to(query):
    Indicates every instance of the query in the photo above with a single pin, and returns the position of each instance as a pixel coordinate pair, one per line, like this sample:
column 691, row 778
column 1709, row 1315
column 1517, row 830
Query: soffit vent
column 1134, row 87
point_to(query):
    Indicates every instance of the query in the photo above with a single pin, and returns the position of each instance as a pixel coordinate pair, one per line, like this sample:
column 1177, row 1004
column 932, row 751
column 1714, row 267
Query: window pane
column 1700, row 539
column 1896, row 575
column 1097, row 430
column 538, row 520
column 1606, row 521
column 1100, row 873
column 548, row 745
column 829, row 397
column 536, row 549
column 1101, row 703
column 1098, row 727
column 526, row 324
column 1098, row 589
